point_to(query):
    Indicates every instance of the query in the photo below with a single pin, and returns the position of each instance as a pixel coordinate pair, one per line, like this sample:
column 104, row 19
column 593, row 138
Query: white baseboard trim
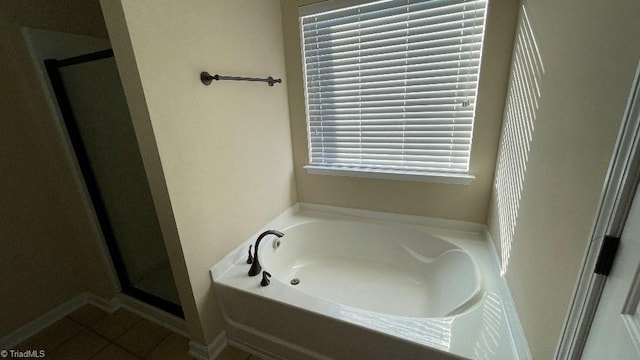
column 153, row 314
column 208, row 352
column 143, row 310
column 521, row 347
column 44, row 321
column 259, row 352
column 102, row 303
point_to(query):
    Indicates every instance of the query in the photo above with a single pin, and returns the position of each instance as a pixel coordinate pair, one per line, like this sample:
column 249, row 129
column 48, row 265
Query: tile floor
column 90, row 333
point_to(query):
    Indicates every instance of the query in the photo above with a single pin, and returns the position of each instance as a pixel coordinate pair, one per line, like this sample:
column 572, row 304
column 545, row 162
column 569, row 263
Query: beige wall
column 49, row 253
column 590, row 50
column 460, row 202
column 72, row 16
column 225, row 149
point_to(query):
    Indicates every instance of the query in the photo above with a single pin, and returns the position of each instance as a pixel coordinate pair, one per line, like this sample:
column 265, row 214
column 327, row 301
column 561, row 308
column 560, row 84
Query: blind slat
column 442, row 94
column 388, row 139
column 386, row 53
column 389, row 88
column 390, row 33
column 389, row 116
column 364, row 103
column 315, row 25
column 365, row 71
column 375, row 123
column 421, row 77
column 400, row 71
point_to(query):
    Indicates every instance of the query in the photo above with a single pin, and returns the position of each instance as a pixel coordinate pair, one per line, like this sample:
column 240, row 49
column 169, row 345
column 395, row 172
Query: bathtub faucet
column 255, row 264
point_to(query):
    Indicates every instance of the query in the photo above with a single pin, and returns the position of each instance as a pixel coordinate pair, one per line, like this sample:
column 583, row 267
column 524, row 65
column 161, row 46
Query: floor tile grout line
column 127, row 329
column 113, row 342
column 119, row 347
column 99, row 351
column 158, row 344
column 90, row 329
column 125, row 350
column 80, row 332
column 72, row 319
column 109, row 341
column 69, row 339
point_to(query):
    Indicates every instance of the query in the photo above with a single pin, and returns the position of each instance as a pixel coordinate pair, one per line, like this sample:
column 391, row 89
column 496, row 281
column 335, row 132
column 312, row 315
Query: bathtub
column 356, row 285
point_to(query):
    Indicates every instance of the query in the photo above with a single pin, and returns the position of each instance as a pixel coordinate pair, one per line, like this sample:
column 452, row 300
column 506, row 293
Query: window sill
column 456, row 179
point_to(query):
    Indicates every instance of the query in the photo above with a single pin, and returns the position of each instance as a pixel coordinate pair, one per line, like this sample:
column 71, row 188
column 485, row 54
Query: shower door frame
column 97, row 203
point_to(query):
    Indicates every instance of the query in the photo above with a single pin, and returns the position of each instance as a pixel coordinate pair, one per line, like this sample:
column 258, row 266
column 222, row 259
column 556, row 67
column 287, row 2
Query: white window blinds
column 391, row 85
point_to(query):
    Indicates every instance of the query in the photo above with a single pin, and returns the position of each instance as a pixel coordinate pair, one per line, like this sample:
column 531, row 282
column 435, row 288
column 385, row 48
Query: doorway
column 603, row 319
column 91, row 100
column 615, row 331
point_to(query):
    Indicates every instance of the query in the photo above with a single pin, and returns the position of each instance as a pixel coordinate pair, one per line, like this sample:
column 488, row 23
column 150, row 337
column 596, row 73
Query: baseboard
column 251, row 349
column 153, row 314
column 102, row 303
column 521, row 346
column 150, row 313
column 44, row 321
column 208, row 352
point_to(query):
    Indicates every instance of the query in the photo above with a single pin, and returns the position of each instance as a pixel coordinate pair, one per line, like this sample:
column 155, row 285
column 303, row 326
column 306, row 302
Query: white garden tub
column 381, row 268
column 345, row 287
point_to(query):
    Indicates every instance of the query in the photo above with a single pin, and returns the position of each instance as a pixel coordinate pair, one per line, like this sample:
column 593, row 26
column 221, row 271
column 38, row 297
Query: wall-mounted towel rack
column 206, row 78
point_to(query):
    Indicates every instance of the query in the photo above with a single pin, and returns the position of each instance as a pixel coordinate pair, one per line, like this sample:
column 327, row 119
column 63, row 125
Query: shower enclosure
column 96, row 117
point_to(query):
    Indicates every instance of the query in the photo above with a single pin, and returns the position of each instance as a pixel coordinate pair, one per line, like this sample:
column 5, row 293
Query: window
column 391, row 87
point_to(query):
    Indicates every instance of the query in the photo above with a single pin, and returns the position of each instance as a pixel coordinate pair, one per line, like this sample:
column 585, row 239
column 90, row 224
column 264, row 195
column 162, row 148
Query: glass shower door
column 97, row 118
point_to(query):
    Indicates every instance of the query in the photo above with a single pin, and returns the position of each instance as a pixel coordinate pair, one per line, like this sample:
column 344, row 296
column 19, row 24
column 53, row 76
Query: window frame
column 463, row 178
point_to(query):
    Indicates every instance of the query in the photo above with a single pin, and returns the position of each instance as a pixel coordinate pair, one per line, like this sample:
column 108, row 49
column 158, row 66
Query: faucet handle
column 250, row 258
column 265, row 278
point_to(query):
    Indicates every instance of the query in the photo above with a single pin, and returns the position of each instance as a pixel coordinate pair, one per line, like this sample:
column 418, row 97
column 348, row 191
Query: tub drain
column 295, row 281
